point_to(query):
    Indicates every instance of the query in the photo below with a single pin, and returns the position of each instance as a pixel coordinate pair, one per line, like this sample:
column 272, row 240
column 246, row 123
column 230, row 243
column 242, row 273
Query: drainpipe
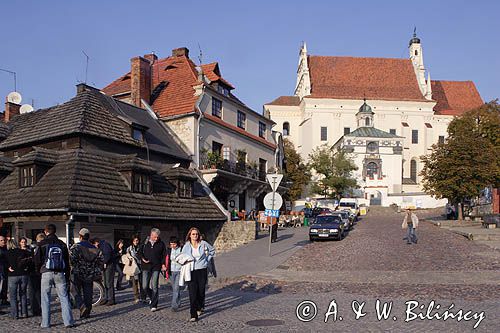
column 198, row 136
column 70, row 225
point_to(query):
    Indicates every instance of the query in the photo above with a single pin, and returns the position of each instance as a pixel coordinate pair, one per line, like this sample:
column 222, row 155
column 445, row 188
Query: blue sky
column 255, row 42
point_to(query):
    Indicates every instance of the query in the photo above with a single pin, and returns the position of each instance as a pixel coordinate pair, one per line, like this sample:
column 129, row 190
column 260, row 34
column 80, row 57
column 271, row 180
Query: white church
column 386, row 112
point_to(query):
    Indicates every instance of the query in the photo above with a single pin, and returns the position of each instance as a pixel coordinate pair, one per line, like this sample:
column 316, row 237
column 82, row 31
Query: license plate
column 323, row 235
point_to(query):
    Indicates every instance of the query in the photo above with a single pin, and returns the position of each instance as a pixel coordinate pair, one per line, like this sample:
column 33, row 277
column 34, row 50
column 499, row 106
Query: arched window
column 367, row 121
column 371, row 169
column 416, row 52
column 413, row 170
column 286, row 128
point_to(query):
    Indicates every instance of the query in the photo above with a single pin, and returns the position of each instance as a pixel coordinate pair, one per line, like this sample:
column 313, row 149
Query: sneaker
column 199, row 313
column 103, row 302
column 153, row 309
column 193, row 320
column 111, row 303
column 137, row 301
column 71, row 326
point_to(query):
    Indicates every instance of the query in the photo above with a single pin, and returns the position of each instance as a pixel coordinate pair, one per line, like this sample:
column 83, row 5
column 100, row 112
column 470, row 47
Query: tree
column 470, row 158
column 296, row 171
column 334, row 168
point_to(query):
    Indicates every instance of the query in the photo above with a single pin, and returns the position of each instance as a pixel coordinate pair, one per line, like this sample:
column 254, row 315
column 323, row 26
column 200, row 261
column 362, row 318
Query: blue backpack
column 55, row 258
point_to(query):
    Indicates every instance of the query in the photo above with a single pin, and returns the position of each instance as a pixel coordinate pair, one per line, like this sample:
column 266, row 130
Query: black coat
column 20, row 261
column 155, row 254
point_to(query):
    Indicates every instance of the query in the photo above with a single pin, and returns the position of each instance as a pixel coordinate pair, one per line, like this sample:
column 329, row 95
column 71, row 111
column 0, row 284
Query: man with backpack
column 52, row 261
column 86, row 267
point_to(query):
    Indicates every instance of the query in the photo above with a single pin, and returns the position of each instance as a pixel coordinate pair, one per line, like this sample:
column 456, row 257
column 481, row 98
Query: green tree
column 334, row 168
column 296, row 171
column 469, row 160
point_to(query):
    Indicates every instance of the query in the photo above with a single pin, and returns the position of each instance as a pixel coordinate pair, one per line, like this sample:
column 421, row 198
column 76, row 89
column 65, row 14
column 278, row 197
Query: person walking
column 410, row 223
column 35, row 281
column 52, row 261
column 174, row 271
column 132, row 268
column 152, row 262
column 109, row 259
column 19, row 262
column 3, row 271
column 119, row 251
column 202, row 252
column 86, row 267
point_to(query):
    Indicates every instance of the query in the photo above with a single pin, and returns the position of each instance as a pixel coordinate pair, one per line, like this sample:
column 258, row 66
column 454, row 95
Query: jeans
column 196, row 288
column 150, row 278
column 18, row 284
column 85, row 288
column 109, row 286
column 411, row 236
column 59, row 279
column 34, row 296
column 176, row 289
column 119, row 269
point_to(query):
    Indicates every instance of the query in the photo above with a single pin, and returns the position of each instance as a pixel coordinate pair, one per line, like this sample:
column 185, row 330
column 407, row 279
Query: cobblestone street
column 372, row 262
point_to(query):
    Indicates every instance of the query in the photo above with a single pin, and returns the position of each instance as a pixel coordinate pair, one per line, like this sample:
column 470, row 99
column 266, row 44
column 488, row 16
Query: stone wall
column 234, row 234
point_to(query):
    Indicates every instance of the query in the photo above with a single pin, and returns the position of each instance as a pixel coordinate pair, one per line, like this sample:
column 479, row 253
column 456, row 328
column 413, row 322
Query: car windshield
column 327, row 219
column 348, row 204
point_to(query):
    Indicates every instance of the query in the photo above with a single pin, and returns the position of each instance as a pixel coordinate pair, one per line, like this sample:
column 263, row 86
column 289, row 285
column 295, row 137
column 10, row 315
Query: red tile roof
column 219, row 121
column 177, row 97
column 358, row 78
column 286, row 100
column 212, row 73
column 455, row 97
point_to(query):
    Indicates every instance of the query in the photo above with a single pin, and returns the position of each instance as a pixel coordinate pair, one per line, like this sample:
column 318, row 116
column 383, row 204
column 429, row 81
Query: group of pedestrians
column 33, row 271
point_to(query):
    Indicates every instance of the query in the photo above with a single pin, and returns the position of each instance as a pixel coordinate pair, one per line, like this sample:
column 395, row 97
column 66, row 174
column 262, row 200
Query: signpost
column 273, row 201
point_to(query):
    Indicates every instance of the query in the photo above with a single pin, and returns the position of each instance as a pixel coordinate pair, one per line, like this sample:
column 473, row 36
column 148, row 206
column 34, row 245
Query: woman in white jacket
column 410, row 222
column 202, row 252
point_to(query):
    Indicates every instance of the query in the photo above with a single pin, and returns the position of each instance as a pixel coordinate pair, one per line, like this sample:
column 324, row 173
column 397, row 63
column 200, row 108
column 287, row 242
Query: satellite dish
column 14, row 97
column 25, row 108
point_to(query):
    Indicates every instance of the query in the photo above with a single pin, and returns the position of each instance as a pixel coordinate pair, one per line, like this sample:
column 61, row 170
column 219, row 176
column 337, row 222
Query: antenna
column 15, row 77
column 415, row 31
column 86, row 66
column 200, row 56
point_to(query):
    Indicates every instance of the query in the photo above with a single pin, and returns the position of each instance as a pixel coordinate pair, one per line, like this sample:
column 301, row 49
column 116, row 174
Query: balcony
column 213, row 161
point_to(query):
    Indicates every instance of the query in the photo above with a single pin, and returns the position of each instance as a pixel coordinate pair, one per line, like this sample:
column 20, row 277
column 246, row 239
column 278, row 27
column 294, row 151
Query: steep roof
column 212, row 73
column 286, row 100
column 91, row 113
column 4, row 129
column 358, row 78
column 371, row 132
column 88, row 182
column 455, row 97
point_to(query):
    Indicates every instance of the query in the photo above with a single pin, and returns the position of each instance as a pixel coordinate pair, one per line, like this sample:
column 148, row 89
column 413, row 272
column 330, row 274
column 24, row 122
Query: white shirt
column 196, row 253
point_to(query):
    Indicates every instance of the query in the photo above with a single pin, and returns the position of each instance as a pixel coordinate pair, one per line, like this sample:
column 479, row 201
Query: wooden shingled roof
column 82, row 181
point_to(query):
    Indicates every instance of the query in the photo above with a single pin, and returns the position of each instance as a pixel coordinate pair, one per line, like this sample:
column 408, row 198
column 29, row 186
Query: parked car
column 327, row 227
column 346, row 218
column 320, row 211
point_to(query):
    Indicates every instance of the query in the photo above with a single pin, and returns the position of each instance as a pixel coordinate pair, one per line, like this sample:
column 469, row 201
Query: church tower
column 364, row 116
column 303, row 85
column 417, row 59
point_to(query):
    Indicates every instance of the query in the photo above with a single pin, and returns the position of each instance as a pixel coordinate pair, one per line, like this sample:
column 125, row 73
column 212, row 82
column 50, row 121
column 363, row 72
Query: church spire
column 417, row 59
column 303, row 85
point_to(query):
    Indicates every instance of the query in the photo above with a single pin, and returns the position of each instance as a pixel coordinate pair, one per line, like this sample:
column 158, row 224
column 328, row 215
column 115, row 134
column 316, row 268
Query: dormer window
column 185, row 189
column 137, row 134
column 223, row 90
column 27, row 176
column 141, row 183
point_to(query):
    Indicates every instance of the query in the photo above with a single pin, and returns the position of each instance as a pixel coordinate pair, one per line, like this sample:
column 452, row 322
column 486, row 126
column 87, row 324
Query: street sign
column 274, row 179
column 273, row 200
column 272, row 212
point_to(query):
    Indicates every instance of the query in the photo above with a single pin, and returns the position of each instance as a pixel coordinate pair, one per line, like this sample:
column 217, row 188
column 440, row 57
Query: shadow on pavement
column 221, row 300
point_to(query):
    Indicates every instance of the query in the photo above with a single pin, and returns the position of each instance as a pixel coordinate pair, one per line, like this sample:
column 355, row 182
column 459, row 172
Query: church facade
column 387, row 112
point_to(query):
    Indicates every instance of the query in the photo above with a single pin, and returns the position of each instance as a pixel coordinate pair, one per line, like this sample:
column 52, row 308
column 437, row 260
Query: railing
column 239, row 168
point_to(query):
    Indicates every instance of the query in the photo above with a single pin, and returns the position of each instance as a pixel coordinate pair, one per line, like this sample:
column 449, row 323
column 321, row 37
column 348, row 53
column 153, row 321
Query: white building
column 232, row 145
column 410, row 114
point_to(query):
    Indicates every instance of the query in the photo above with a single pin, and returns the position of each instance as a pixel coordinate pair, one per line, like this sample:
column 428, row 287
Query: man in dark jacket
column 153, row 261
column 3, row 271
column 52, row 261
column 109, row 259
column 86, row 263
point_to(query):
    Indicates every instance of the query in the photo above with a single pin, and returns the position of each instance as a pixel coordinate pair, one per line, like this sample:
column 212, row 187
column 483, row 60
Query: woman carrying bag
column 202, row 252
column 131, row 267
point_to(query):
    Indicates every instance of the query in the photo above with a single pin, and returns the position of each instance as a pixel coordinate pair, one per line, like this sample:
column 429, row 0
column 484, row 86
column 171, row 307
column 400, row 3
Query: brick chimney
column 151, row 57
column 181, row 51
column 140, row 86
column 11, row 109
